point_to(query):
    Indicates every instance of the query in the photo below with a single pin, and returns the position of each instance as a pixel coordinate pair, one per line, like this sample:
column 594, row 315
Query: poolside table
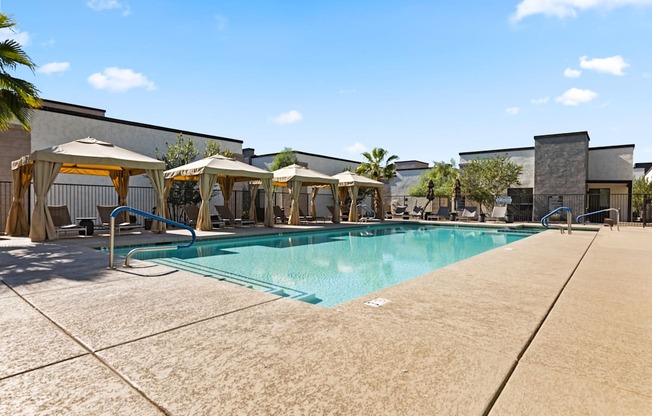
column 89, row 223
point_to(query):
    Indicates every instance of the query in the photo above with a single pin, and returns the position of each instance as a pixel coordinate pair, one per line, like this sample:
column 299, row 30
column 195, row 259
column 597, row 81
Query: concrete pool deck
column 551, row 324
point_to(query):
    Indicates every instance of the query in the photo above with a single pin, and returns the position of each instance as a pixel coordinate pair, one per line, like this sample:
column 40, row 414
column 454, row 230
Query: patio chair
column 303, row 217
column 192, row 212
column 469, row 213
column 399, row 211
column 442, row 213
column 416, row 212
column 105, row 216
column 343, row 217
column 61, row 219
column 279, row 215
column 227, row 216
column 498, row 213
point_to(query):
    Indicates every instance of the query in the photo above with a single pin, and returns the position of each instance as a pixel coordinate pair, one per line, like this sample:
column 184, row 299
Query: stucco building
column 562, row 170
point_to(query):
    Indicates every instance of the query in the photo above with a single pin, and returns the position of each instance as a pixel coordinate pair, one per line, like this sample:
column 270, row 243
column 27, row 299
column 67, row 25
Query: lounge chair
column 343, row 217
column 399, row 211
column 227, row 216
column 498, row 213
column 469, row 213
column 443, row 213
column 279, row 215
column 105, row 216
column 192, row 212
column 61, row 219
column 303, row 217
column 416, row 212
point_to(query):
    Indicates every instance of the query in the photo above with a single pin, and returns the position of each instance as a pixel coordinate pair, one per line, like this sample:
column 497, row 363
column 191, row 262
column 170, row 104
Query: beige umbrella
column 296, row 176
column 87, row 156
column 225, row 171
column 354, row 183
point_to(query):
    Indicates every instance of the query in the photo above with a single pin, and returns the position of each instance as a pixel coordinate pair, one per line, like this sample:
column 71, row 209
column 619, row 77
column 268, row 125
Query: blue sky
column 423, row 79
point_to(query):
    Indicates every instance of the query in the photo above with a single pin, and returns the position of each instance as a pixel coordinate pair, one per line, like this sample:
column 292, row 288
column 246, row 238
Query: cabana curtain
column 42, row 225
column 206, row 183
column 16, row 224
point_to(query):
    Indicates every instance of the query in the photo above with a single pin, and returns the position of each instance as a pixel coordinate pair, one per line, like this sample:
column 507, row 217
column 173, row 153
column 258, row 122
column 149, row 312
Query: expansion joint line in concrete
column 92, row 352
column 536, row 331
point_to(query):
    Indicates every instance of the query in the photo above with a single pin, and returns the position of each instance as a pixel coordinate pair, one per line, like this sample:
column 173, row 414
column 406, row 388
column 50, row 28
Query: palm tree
column 378, row 166
column 17, row 97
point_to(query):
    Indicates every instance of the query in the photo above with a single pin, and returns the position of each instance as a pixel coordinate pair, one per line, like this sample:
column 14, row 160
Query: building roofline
column 513, row 149
column 611, row 147
column 572, row 133
column 46, row 101
column 130, row 123
column 309, row 154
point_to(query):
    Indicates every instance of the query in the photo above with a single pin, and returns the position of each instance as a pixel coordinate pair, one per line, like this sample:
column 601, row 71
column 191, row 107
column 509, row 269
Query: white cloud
column 512, row 111
column 356, row 149
column 538, row 101
column 119, row 80
column 572, row 73
column 613, row 65
column 568, row 8
column 290, row 117
column 54, row 67
column 576, row 96
column 22, row 38
column 101, row 5
column 49, row 43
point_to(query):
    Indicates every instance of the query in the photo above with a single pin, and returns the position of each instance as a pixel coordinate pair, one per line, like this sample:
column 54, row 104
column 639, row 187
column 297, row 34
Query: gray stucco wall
column 522, row 157
column 50, row 128
column 611, row 164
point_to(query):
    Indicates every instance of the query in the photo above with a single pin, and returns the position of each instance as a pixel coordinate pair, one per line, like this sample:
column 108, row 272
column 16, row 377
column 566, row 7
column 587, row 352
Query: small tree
column 483, row 180
column 443, row 176
column 212, row 148
column 641, row 189
column 182, row 152
column 284, row 158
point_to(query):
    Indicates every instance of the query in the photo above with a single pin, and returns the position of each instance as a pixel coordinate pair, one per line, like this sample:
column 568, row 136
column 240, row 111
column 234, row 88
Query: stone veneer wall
column 561, row 168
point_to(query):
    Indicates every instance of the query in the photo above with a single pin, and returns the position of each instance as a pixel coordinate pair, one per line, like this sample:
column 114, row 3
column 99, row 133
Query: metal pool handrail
column 569, row 218
column 602, row 210
column 118, row 210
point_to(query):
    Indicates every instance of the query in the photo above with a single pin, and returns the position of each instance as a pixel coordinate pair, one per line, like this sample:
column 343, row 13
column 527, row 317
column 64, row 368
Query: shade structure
column 354, row 182
column 225, row 171
column 87, row 156
column 296, row 176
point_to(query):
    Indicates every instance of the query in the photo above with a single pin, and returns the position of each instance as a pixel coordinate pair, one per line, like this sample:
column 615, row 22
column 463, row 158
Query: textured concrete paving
column 553, row 324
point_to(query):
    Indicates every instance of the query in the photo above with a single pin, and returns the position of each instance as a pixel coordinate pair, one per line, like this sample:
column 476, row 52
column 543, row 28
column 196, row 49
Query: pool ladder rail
column 569, row 219
column 617, row 211
column 145, row 214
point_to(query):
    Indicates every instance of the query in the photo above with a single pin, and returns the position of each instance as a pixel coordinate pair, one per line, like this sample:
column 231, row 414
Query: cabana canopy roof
column 90, row 156
column 220, row 166
column 302, row 174
column 351, row 179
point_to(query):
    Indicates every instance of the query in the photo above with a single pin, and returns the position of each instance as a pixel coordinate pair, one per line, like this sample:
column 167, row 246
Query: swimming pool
column 332, row 267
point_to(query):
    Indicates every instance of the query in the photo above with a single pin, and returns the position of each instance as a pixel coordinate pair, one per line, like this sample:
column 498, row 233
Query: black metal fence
column 82, row 201
column 531, row 208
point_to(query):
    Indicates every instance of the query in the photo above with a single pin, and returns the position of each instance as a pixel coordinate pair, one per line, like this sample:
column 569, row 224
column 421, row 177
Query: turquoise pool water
column 332, row 267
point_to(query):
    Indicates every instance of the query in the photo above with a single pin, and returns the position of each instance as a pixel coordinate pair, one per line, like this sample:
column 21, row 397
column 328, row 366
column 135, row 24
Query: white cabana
column 85, row 157
column 296, row 176
column 351, row 182
column 224, row 171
